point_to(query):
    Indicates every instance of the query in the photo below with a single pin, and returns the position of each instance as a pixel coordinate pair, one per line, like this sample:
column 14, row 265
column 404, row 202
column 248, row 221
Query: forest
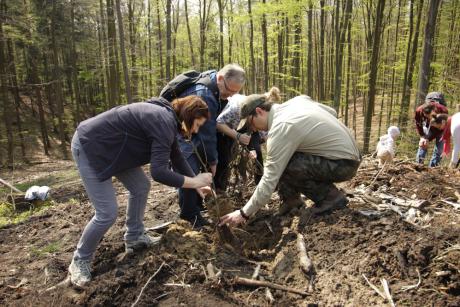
column 374, row 60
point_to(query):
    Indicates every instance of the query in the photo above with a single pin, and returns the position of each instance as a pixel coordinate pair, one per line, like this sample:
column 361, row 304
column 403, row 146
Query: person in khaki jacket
column 308, row 149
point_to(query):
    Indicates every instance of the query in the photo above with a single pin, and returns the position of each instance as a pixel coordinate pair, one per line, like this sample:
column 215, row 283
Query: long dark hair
column 190, row 108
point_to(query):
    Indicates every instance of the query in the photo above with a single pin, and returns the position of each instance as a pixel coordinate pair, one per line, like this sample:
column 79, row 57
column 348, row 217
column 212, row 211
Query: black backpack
column 180, row 83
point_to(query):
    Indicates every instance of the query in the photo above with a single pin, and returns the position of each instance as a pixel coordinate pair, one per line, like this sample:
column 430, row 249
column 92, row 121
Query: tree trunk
column 104, row 56
column 134, row 79
column 7, row 105
column 373, row 74
column 265, row 47
column 280, row 47
column 149, row 42
column 347, row 95
column 251, row 49
column 121, row 35
column 296, row 54
column 339, row 52
column 160, row 47
column 322, row 25
column 114, row 87
column 175, row 27
column 15, row 91
column 310, row 52
column 58, row 86
column 393, row 72
column 230, row 32
column 424, row 70
column 221, row 33
column 168, row 40
column 407, row 86
column 189, row 32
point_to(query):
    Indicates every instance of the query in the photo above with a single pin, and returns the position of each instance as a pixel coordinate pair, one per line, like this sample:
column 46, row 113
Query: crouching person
column 308, row 149
column 117, row 143
column 386, row 146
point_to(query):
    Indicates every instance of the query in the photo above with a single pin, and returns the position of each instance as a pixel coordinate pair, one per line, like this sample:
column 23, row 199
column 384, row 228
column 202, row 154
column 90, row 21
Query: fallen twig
column 10, row 186
column 386, row 289
column 256, row 272
column 178, row 285
column 160, row 226
column 305, row 262
column 211, row 273
column 64, row 283
column 145, row 286
column 375, row 288
column 455, row 205
column 259, row 283
column 269, row 295
column 378, row 173
column 20, row 284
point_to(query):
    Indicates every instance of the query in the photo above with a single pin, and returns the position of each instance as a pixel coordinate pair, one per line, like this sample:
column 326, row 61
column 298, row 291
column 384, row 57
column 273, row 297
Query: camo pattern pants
column 313, row 176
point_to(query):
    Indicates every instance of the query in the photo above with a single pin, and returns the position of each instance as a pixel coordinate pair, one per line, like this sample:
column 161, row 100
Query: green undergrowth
column 8, row 214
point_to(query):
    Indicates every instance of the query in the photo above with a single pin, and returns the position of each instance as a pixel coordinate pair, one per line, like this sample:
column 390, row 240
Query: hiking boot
column 143, row 241
column 334, row 200
column 197, row 221
column 290, row 204
column 80, row 272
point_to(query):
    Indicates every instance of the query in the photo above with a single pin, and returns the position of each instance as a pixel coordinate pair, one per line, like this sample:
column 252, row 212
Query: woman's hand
column 232, row 219
column 204, row 191
column 253, row 154
column 202, row 180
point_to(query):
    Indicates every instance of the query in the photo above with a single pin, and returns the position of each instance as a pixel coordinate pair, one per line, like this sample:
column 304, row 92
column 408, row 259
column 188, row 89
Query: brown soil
column 343, row 245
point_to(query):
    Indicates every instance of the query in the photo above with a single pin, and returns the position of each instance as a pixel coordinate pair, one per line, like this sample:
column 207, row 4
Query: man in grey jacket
column 308, row 149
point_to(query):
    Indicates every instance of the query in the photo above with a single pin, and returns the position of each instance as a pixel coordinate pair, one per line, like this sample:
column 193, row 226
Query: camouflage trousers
column 313, row 176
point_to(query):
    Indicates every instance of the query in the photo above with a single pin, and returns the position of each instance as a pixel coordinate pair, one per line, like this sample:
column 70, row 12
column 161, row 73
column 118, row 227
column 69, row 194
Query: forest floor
column 401, row 229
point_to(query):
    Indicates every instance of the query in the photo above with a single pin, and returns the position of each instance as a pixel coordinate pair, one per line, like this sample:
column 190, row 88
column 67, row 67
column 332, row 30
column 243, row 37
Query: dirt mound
column 402, row 225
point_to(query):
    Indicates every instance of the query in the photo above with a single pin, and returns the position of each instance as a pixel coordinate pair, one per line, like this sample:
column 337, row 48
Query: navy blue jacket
column 133, row 135
column 207, row 132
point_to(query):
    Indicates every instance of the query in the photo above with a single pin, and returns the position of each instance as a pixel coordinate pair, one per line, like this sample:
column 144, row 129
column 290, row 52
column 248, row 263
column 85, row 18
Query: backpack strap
column 211, row 85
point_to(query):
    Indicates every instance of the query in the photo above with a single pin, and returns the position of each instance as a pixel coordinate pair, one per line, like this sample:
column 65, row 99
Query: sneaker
column 80, row 272
column 197, row 221
column 288, row 205
column 143, row 241
column 334, row 200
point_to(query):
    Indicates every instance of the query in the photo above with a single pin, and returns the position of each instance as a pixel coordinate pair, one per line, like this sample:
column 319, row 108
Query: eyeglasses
column 229, row 89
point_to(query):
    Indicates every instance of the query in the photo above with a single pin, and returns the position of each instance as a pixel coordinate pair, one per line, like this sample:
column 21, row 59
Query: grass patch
column 9, row 216
column 54, row 180
column 51, row 248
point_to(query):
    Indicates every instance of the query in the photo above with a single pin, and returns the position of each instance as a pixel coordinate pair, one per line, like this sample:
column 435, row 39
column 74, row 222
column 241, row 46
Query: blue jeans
column 435, row 158
column 104, row 200
column 190, row 201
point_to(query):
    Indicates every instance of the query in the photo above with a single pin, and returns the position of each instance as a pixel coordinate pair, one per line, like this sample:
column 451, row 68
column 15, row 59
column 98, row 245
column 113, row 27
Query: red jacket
column 421, row 121
column 446, row 136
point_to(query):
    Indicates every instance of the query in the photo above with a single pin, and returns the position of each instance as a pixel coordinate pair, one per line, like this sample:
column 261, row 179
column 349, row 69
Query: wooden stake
column 260, row 283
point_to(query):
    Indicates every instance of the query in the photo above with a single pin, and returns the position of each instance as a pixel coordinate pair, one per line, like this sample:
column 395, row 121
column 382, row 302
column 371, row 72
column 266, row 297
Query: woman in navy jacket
column 117, row 143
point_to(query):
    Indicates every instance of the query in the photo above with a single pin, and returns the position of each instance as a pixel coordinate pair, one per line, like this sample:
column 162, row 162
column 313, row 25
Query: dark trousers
column 313, row 176
column 225, row 149
column 190, row 202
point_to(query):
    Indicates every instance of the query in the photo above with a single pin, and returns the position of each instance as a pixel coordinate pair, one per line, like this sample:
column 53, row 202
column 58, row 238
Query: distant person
column 451, row 127
column 423, row 116
column 386, row 146
column 117, row 143
column 308, row 150
column 214, row 88
column 227, row 125
column 436, row 97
